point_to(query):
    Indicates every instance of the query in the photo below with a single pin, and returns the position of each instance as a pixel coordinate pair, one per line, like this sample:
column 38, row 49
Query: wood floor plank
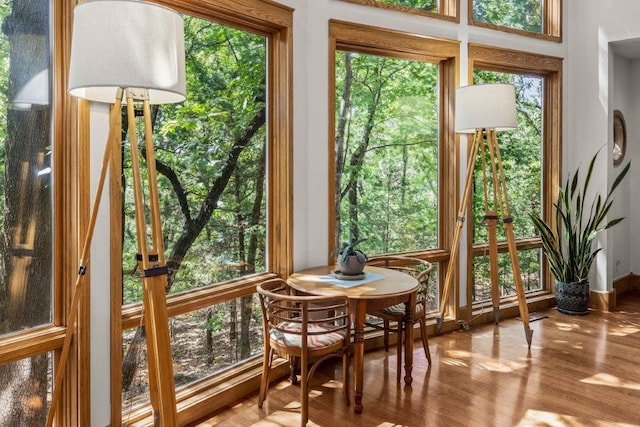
column 580, row 371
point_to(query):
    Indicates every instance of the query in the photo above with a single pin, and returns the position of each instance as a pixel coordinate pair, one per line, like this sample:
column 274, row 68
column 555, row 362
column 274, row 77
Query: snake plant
column 568, row 247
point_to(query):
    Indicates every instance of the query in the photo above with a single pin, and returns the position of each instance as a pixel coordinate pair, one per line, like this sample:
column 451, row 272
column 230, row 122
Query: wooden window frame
column 450, row 9
column 198, row 399
column 550, row 69
column 551, row 22
column 397, row 44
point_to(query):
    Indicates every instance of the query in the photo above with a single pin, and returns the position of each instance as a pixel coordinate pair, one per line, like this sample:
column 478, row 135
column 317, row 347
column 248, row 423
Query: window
column 36, row 174
column 530, row 156
column 540, row 18
column 226, row 214
column 211, row 154
column 443, row 9
column 390, row 139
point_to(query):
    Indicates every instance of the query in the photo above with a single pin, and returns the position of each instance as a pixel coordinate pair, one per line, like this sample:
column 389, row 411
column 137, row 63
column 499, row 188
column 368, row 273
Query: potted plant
column 350, row 260
column 569, row 247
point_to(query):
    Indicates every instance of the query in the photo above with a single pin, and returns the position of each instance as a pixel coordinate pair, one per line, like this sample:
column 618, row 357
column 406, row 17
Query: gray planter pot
column 572, row 298
column 352, row 266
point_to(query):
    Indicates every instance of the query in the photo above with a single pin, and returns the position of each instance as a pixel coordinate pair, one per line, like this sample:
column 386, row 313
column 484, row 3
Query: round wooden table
column 388, row 288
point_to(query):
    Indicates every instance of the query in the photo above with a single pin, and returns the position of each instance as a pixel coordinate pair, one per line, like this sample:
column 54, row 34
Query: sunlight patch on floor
column 567, row 326
column 281, row 385
column 611, row 381
column 453, row 362
column 624, row 329
column 459, row 354
column 242, row 404
column 281, row 419
column 332, row 384
column 314, row 393
column 294, row 404
column 534, row 418
column 497, row 365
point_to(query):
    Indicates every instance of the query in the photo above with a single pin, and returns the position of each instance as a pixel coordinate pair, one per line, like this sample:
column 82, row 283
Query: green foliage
column 226, row 75
column 521, row 152
column 525, row 15
column 428, row 5
column 569, row 247
column 386, row 152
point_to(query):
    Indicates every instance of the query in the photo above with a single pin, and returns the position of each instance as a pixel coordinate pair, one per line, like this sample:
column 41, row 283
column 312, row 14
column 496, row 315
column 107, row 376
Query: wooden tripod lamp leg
column 78, row 291
column 503, row 200
column 492, row 225
column 491, row 221
column 161, row 384
column 455, row 245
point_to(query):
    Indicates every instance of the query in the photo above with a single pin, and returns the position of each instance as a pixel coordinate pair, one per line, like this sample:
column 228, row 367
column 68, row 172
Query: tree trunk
column 357, row 159
column 247, row 301
column 341, row 143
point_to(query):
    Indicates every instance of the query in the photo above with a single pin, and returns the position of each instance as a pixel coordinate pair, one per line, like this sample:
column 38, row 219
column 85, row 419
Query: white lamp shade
column 127, row 44
column 487, row 106
column 34, row 92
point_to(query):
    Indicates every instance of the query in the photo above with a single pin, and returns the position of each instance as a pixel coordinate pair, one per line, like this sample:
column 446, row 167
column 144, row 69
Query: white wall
column 633, row 152
column 594, row 91
column 100, row 288
column 622, row 96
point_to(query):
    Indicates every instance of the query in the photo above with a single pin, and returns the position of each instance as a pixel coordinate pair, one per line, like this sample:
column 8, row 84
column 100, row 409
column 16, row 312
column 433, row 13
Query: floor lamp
column 482, row 110
column 133, row 52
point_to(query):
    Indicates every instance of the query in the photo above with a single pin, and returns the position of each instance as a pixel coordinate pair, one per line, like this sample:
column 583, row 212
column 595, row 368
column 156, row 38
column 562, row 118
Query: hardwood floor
column 580, row 371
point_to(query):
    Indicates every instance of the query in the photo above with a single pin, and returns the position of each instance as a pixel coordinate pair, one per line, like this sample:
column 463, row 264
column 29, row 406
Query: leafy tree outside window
column 442, row 9
column 386, row 153
column 428, row 5
column 526, row 15
column 211, row 162
column 390, row 144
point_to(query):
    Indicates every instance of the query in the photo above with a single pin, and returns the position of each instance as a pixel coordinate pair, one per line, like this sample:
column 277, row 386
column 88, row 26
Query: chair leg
column 304, row 391
column 345, row 376
column 386, row 334
column 264, row 382
column 399, row 351
column 425, row 340
column 293, row 369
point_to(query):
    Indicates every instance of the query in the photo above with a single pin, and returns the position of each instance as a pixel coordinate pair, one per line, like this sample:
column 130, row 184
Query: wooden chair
column 393, row 317
column 304, row 328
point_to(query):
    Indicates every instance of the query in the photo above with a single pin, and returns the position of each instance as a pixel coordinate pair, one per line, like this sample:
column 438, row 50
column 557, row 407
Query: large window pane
column 204, row 342
column 211, row 164
column 25, row 191
column 443, row 9
column 25, row 391
column 530, row 267
column 521, row 152
column 524, row 15
column 386, row 149
column 25, row 174
column 428, row 5
column 211, row 160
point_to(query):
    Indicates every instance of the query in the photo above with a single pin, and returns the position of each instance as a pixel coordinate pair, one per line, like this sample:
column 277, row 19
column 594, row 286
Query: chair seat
column 324, row 337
